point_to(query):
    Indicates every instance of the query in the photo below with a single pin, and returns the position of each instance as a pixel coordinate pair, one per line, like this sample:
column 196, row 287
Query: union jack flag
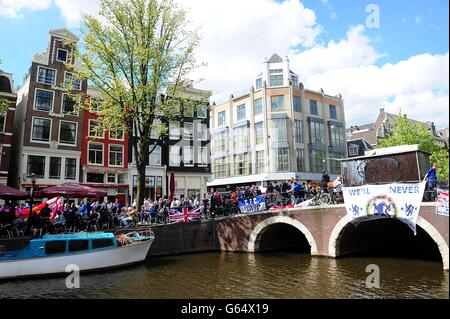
column 276, row 207
column 442, row 196
column 175, row 216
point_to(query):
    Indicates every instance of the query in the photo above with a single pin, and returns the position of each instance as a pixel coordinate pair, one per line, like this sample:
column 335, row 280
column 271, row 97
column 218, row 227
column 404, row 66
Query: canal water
column 276, row 274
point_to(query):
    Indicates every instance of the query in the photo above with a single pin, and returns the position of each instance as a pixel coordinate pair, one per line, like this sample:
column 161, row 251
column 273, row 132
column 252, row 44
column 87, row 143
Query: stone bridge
column 327, row 231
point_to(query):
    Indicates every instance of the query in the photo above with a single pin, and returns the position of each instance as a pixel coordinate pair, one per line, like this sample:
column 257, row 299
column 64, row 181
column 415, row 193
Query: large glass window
column 36, row 165
column 46, row 75
column 188, row 111
column 242, row 165
column 258, row 83
column 188, row 156
column 68, row 133
column 276, row 79
column 220, row 142
column 95, row 129
column 43, row 100
column 317, row 161
column 203, row 156
column 313, row 107
column 221, row 118
column 155, row 156
column 95, row 178
column 116, row 155
column 188, row 131
column 55, row 168
column 294, row 80
column 202, row 132
column 71, row 168
column 174, row 155
column 277, row 103
column 297, row 100
column 259, row 133
column 240, row 137
column 95, row 153
column 156, row 124
column 317, row 133
column 68, row 105
column 257, row 107
column 335, row 165
column 282, row 159
column 337, row 136
column 174, row 130
column 61, row 55
column 298, row 131
column 300, row 160
column 220, row 167
column 240, row 112
column 116, row 134
column 260, row 164
column 41, row 129
column 279, row 130
column 333, row 113
column 76, row 83
column 202, row 111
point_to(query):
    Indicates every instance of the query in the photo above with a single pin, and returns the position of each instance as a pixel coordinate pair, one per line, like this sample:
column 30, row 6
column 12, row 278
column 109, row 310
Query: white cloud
column 333, row 16
column 13, row 8
column 419, row 19
column 71, row 10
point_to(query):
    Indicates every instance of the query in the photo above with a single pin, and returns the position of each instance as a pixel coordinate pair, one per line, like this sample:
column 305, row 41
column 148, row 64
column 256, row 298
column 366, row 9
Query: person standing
column 325, row 180
column 431, row 177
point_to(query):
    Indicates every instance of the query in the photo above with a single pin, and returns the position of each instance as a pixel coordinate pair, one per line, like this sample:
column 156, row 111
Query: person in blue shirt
column 297, row 187
column 430, row 177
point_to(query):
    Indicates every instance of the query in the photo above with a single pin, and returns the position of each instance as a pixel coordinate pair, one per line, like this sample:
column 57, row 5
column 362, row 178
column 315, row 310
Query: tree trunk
column 140, row 166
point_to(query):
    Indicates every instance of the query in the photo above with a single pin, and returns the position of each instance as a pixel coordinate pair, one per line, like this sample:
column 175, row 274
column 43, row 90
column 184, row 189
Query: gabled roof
column 63, row 33
column 275, row 58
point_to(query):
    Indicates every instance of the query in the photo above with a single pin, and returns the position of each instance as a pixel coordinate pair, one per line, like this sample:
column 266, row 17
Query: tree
column 138, row 56
column 406, row 133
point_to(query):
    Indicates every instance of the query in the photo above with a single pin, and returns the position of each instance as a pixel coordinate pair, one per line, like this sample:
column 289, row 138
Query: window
column 116, row 134
column 43, row 100
column 300, row 160
column 188, row 156
column 55, row 247
column 297, row 100
column 258, row 83
column 220, row 142
column 174, row 155
column 55, row 168
column 353, row 150
column 203, row 156
column 95, row 178
column 298, row 131
column 115, row 155
column 111, row 178
column 68, row 133
column 201, row 111
column 76, row 83
column 36, row 165
column 277, row 103
column 282, row 159
column 46, row 75
column 313, row 107
column 221, row 118
column 276, row 79
column 61, row 55
column 202, row 132
column 335, row 165
column 41, row 129
column 95, row 128
column 121, row 178
column 188, row 111
column 102, row 243
column 95, row 153
column 259, row 133
column 2, row 123
column 95, row 105
column 71, row 168
column 176, row 109
column 260, row 162
column 240, row 137
column 78, row 245
column 68, row 105
column 294, row 80
column 155, row 156
column 316, row 161
column 317, row 133
column 279, row 130
column 220, row 167
column 240, row 112
column 188, row 131
column 174, row 130
column 333, row 113
column 337, row 136
column 257, row 107
column 155, row 127
column 242, row 165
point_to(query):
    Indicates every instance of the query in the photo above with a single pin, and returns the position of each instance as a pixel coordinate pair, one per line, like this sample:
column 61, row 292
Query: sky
column 390, row 54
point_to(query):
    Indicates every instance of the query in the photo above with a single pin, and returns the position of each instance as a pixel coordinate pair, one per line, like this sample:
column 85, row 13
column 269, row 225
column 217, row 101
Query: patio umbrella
column 70, row 190
column 171, row 186
column 7, row 192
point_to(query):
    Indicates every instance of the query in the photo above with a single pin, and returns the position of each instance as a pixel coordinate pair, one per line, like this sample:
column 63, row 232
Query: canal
column 271, row 274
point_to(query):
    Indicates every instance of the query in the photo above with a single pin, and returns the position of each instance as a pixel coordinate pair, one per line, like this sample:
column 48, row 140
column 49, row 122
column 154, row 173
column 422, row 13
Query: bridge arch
column 258, row 231
column 334, row 246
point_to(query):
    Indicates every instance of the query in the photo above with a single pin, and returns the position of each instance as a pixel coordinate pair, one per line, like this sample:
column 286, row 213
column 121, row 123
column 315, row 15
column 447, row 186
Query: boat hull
column 88, row 261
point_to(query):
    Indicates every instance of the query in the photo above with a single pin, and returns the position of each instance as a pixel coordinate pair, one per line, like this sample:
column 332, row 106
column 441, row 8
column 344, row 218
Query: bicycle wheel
column 324, row 199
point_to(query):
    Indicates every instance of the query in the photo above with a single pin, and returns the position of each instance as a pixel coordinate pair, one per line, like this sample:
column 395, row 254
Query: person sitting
column 153, row 213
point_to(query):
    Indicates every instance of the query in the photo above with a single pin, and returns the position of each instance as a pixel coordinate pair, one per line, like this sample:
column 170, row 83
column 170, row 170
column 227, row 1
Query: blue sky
column 411, row 32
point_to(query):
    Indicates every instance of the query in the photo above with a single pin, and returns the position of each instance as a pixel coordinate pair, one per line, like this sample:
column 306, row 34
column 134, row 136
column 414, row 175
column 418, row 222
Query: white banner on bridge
column 400, row 201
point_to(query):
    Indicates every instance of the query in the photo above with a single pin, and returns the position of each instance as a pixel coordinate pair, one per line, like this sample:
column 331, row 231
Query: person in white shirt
column 337, row 184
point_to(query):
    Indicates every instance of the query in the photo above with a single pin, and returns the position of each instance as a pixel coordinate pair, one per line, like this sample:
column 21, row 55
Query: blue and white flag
column 400, row 201
column 255, row 204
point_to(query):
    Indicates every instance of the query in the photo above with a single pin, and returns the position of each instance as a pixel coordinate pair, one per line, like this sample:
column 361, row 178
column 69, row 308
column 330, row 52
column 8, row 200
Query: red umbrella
column 71, row 190
column 7, row 192
column 171, row 186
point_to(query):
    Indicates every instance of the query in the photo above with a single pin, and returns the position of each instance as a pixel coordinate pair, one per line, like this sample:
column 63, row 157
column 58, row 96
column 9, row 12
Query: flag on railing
column 175, row 216
column 442, row 202
column 281, row 207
